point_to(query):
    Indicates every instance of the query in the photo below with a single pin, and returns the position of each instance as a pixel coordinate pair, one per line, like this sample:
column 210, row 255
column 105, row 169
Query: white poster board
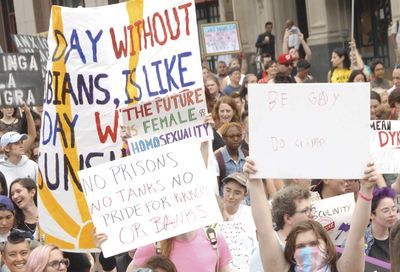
column 385, row 146
column 141, row 199
column 167, row 120
column 315, row 130
column 221, row 38
column 334, row 214
column 241, row 242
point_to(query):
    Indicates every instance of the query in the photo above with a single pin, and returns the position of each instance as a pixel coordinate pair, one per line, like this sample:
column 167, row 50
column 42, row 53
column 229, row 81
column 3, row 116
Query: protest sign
column 221, row 38
column 385, row 145
column 334, row 214
column 149, row 197
column 32, row 44
column 309, row 130
column 102, row 59
column 167, row 120
column 20, row 80
column 241, row 242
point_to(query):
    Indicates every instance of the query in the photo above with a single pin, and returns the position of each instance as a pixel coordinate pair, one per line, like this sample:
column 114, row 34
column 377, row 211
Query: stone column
column 25, row 17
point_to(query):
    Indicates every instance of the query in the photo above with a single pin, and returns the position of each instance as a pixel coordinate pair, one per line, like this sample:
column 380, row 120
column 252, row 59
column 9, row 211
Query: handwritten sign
column 334, row 214
column 241, row 242
column 146, row 198
column 167, row 120
column 309, row 130
column 100, row 60
column 385, row 146
column 20, row 80
column 221, row 38
column 32, row 44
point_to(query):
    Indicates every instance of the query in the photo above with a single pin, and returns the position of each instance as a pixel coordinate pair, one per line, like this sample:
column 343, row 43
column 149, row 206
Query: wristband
column 366, row 198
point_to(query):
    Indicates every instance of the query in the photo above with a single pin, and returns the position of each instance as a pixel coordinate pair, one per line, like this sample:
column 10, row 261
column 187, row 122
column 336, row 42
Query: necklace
column 32, row 230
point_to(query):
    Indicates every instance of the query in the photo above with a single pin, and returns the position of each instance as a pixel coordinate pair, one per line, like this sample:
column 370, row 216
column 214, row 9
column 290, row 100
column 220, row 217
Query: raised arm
column 285, row 48
column 31, row 128
column 307, row 49
column 396, row 185
column 353, row 258
column 270, row 251
column 356, row 61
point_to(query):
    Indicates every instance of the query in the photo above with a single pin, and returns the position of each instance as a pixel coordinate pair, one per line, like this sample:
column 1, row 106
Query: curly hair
column 284, row 202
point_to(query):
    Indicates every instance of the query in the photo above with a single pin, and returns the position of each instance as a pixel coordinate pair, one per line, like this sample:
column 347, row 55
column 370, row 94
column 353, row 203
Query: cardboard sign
column 240, row 242
column 167, row 120
column 309, row 130
column 385, row 146
column 334, row 214
column 100, row 60
column 20, row 80
column 221, row 38
column 32, row 44
column 149, row 197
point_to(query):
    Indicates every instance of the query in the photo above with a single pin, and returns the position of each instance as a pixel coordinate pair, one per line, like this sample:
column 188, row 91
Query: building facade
column 325, row 24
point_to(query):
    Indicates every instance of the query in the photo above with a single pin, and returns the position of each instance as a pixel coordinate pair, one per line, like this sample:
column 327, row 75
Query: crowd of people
column 277, row 213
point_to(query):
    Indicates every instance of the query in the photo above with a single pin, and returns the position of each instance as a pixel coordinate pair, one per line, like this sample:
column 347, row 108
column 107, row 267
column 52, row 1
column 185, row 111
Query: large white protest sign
column 102, row 59
column 309, row 130
column 167, row 120
column 241, row 242
column 334, row 214
column 141, row 199
column 385, row 146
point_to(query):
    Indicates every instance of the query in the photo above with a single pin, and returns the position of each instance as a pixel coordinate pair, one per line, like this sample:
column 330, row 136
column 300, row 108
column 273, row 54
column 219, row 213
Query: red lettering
column 108, row 132
column 122, row 45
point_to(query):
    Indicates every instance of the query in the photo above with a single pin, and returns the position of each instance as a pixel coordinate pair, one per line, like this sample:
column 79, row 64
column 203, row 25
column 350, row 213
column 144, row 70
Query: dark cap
column 6, row 204
column 303, row 64
column 238, row 177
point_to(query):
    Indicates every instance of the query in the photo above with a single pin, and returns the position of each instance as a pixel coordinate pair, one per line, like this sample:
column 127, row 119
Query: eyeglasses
column 393, row 209
column 307, row 211
column 56, row 264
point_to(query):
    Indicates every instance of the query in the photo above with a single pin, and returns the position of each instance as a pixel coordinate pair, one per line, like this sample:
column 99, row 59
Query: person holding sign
column 308, row 246
column 383, row 217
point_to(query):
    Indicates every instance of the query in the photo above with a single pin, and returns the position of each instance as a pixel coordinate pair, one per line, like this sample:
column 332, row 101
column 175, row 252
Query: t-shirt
column 229, row 89
column 380, row 250
column 196, row 255
column 340, row 75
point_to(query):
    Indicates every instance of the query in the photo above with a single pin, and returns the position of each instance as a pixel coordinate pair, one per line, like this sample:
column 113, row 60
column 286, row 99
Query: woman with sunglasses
column 47, row 258
column 308, row 246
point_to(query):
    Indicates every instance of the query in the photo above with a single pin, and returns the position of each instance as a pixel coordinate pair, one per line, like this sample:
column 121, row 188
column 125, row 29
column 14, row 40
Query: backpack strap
column 221, row 166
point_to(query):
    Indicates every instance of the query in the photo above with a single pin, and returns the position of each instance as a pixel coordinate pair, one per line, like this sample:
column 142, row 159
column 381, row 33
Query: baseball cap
column 238, row 177
column 285, row 58
column 12, row 137
column 6, row 204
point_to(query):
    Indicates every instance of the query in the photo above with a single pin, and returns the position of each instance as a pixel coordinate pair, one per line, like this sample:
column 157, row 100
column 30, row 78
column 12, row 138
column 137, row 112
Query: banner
column 241, row 242
column 20, row 80
column 167, row 120
column 317, row 129
column 385, row 146
column 100, row 60
column 146, row 198
column 32, row 44
column 334, row 214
